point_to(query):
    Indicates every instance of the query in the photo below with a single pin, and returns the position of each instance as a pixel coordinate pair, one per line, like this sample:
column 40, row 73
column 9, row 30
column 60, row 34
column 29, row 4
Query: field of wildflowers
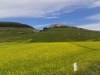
column 55, row 58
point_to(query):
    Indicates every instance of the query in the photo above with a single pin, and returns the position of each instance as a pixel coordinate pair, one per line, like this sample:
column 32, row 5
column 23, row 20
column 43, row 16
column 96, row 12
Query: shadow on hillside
column 83, row 46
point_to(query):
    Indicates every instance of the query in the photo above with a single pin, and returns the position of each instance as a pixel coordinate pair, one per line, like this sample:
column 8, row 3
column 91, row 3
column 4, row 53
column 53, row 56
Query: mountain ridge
column 14, row 24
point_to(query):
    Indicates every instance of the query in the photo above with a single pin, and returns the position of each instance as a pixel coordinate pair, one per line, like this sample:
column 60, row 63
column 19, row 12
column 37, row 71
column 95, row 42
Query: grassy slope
column 66, row 34
column 15, row 34
column 50, row 58
column 50, row 35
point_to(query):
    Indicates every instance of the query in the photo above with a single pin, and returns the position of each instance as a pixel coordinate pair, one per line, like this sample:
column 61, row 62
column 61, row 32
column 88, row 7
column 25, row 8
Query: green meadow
column 50, row 58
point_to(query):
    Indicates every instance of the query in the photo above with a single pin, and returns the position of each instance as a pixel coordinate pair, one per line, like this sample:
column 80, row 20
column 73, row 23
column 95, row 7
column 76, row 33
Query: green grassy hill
column 16, row 32
column 66, row 34
column 14, row 24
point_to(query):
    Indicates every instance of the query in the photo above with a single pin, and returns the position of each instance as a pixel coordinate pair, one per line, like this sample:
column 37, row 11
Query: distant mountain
column 16, row 32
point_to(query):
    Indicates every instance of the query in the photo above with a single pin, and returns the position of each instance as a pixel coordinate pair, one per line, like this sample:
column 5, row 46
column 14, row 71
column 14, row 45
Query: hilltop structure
column 60, row 26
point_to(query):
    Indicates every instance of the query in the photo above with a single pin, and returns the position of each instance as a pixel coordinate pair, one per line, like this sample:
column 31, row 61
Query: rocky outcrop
column 59, row 26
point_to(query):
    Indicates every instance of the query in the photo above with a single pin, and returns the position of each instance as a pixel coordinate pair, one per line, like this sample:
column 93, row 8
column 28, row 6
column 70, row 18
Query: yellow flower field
column 55, row 58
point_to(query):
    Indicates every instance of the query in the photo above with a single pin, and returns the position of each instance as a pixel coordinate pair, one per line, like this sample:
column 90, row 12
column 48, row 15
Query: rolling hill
column 14, row 25
column 17, row 32
column 12, row 31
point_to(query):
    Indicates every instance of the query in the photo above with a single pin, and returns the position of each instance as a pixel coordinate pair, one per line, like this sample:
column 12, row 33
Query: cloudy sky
column 43, row 13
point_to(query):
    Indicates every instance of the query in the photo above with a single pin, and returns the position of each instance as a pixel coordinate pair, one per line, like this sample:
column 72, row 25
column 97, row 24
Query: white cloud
column 95, row 4
column 95, row 26
column 94, row 17
column 40, row 26
column 92, row 26
column 51, row 17
column 41, row 8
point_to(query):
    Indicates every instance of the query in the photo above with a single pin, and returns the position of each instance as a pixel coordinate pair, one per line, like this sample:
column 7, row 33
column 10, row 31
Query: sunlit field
column 50, row 58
